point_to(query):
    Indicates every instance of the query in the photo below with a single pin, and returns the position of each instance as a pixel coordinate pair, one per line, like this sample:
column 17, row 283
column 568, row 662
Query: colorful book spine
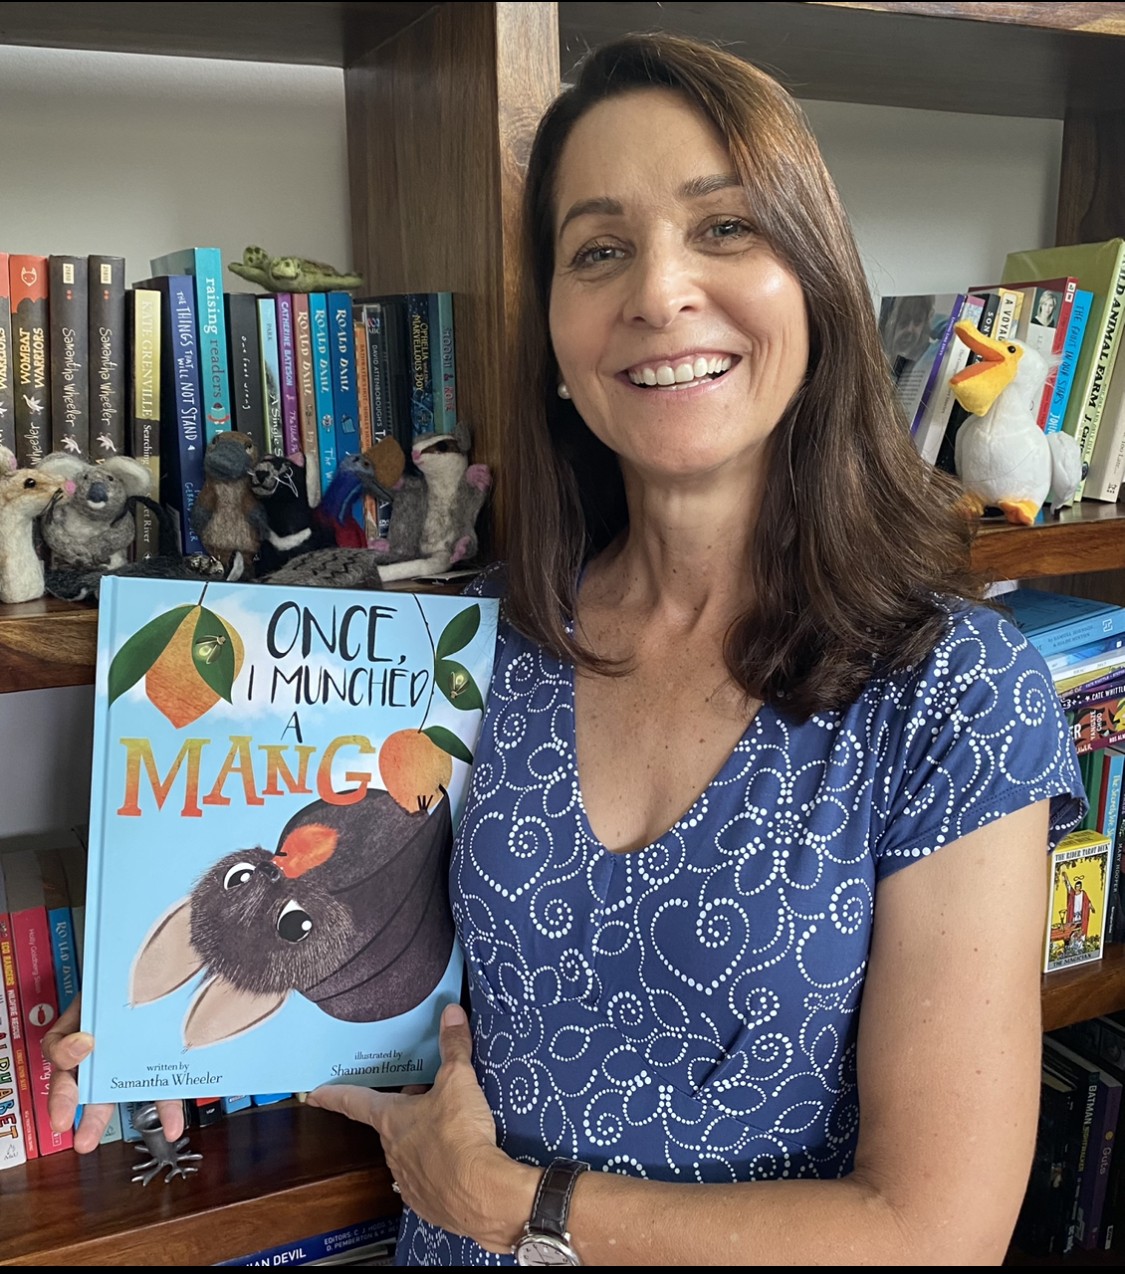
column 269, row 1099
column 1107, row 464
column 345, row 393
column 443, row 351
column 939, row 406
column 306, row 396
column 205, row 265
column 63, row 955
column 377, row 527
column 182, row 441
column 241, row 1101
column 329, row 1247
column 7, row 392
column 287, row 355
column 144, row 318
column 107, row 343
column 421, row 366
column 271, row 375
column 13, row 1147
column 245, row 363
column 9, row 988
column 399, row 378
column 31, row 379
column 1072, row 348
column 68, row 319
column 322, row 388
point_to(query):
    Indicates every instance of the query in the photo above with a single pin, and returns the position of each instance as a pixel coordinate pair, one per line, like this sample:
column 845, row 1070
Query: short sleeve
column 982, row 734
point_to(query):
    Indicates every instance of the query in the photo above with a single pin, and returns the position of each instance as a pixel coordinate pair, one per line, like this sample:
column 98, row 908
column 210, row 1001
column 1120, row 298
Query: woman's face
column 679, row 334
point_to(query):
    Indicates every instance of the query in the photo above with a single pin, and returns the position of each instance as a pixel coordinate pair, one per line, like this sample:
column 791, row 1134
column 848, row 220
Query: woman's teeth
column 675, row 376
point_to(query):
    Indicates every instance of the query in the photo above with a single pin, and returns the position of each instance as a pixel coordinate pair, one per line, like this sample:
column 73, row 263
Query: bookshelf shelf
column 1090, row 990
column 1089, row 537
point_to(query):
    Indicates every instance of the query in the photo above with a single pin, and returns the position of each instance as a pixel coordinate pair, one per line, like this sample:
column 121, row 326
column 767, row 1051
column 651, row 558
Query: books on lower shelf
column 1057, row 622
column 369, row 1242
column 333, row 729
column 1080, row 872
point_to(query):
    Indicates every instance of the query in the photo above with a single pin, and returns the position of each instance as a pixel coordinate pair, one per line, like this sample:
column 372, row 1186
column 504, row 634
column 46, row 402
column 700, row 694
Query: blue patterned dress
column 688, row 1011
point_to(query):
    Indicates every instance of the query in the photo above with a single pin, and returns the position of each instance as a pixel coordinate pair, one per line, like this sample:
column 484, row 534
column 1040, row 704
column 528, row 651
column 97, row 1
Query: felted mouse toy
column 25, row 494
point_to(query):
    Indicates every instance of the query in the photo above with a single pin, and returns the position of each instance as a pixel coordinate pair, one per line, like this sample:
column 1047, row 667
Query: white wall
column 136, row 156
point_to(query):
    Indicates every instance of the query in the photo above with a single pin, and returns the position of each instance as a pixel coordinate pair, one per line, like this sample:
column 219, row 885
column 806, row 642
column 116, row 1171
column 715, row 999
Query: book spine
column 1107, row 462
column 239, row 1102
column 1072, row 350
column 371, row 505
column 345, row 393
column 182, row 426
column 107, row 343
column 145, row 407
column 68, row 314
column 1078, row 632
column 7, row 392
column 287, row 355
column 322, row 388
column 270, row 362
column 1105, row 358
column 31, row 937
column 1096, row 693
column 13, row 1147
column 1007, row 313
column 399, row 376
column 1058, row 344
column 421, row 368
column 936, row 414
column 444, row 360
column 63, row 958
column 1115, row 912
column 306, row 395
column 31, row 379
column 245, row 363
column 318, row 1247
column 9, row 988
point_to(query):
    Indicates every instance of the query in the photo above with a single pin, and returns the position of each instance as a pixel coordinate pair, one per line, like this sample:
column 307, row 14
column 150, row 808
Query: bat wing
column 166, row 959
column 219, row 1011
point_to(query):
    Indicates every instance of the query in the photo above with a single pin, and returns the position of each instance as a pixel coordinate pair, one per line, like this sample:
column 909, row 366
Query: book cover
column 1093, row 685
column 1107, row 462
column 1044, row 1226
column 7, row 392
column 935, row 414
column 322, row 388
column 345, row 392
column 108, row 345
column 306, row 396
column 68, row 321
column 443, row 354
column 143, row 309
column 417, row 310
column 271, row 376
column 205, row 265
column 351, row 1240
column 986, row 321
column 1076, row 922
column 31, row 377
column 912, row 329
column 287, row 356
column 1068, row 363
column 15, row 1077
column 1097, row 723
column 13, row 1148
column 1054, row 622
column 1099, row 268
column 182, row 440
column 1103, row 1102
column 296, row 759
column 28, row 903
column 1086, row 1092
column 245, row 363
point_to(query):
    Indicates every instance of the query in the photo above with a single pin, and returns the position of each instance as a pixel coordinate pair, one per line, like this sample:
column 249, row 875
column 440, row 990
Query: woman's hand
column 64, row 1046
column 440, row 1146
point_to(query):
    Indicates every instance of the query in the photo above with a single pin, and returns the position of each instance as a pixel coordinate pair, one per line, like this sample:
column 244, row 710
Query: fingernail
column 453, row 1015
column 84, row 1042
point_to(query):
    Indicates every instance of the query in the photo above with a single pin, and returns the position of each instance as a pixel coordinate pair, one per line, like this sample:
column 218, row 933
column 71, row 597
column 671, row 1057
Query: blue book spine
column 444, row 361
column 318, row 1246
column 270, row 355
column 322, row 387
column 421, row 367
column 345, row 390
column 269, row 1099
column 1114, row 773
column 231, row 1104
column 1072, row 347
column 205, row 265
column 63, row 953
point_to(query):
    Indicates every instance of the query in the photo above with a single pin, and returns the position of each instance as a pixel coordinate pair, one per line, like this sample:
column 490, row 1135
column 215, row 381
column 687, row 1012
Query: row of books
column 1064, row 302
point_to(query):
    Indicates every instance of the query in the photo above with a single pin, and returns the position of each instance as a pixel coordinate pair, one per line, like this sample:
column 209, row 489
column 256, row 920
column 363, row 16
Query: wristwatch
column 545, row 1240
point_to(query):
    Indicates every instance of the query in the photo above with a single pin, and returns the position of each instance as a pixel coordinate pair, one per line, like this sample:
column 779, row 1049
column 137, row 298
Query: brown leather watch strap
column 552, row 1199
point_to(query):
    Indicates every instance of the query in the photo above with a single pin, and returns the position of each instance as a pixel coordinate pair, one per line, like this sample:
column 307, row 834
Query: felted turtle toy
column 292, row 274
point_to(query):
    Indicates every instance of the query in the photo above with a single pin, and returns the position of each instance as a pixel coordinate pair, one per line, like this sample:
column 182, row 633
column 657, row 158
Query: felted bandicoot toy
column 25, row 494
column 351, row 910
column 1002, row 457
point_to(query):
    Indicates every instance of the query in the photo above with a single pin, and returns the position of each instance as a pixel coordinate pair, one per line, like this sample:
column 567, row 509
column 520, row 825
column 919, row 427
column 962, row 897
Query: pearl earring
column 563, row 391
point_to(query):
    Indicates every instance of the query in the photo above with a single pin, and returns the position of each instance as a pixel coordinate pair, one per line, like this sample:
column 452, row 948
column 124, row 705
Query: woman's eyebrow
column 695, row 188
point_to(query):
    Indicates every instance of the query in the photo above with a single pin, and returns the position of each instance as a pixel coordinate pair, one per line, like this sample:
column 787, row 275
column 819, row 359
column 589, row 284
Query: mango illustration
column 174, row 683
column 414, row 770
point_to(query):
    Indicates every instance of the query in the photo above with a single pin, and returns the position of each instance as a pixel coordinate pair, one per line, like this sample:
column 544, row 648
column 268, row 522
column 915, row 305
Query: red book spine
column 10, row 989
column 35, row 975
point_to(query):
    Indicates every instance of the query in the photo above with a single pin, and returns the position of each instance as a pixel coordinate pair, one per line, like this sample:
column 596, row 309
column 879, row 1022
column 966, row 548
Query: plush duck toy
column 1003, row 458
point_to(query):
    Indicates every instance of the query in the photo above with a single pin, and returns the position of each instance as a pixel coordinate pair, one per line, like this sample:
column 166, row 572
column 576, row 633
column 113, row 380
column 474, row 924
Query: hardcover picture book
column 276, row 778
column 1080, row 869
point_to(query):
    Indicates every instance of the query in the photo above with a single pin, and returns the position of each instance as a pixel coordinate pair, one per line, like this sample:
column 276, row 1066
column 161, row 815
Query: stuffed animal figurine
column 292, row 274
column 95, row 526
column 25, row 494
column 1002, row 457
column 373, row 473
column 228, row 517
column 280, row 484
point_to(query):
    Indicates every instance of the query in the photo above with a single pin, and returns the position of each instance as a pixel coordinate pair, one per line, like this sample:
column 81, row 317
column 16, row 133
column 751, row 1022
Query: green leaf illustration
column 456, row 682
column 141, row 651
column 460, row 630
column 212, row 652
column 448, row 742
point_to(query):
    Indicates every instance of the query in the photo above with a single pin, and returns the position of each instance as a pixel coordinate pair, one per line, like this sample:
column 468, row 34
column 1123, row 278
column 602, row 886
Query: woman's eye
column 729, row 228
column 595, row 254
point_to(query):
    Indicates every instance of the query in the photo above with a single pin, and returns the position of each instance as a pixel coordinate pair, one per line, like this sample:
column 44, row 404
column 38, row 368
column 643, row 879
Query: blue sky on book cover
column 275, row 779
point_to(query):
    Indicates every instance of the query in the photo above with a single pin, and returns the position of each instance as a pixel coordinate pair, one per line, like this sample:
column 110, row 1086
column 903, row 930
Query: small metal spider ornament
column 163, row 1154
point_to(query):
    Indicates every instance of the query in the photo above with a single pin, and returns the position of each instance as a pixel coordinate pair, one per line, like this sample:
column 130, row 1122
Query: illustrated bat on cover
column 351, row 910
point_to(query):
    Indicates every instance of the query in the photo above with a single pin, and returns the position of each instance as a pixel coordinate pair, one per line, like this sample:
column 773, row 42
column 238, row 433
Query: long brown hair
column 857, row 541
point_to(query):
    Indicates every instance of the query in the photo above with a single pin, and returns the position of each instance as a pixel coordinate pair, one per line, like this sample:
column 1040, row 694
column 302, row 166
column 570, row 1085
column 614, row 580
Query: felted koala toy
column 93, row 527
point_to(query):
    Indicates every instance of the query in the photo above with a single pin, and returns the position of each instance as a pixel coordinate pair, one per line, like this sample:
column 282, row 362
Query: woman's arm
column 948, row 1071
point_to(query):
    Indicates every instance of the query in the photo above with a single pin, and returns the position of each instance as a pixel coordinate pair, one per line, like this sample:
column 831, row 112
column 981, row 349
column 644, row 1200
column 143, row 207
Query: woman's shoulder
column 491, row 581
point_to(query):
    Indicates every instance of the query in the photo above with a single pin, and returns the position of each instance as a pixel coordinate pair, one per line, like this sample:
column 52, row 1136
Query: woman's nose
column 663, row 284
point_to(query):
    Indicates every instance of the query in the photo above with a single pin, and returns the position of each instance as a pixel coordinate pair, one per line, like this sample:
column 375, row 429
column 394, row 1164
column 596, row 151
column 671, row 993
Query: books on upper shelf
column 68, row 314
column 934, row 417
column 31, row 375
column 1107, row 463
column 1055, row 622
column 143, row 314
column 107, row 344
column 1099, row 268
column 1075, row 930
column 912, row 329
column 276, row 776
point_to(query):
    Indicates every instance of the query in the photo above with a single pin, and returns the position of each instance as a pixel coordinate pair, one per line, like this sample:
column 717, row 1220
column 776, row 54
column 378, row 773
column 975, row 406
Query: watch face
column 544, row 1249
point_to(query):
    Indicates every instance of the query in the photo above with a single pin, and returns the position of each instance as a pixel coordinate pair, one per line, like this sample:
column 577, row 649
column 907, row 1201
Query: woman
column 746, row 680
